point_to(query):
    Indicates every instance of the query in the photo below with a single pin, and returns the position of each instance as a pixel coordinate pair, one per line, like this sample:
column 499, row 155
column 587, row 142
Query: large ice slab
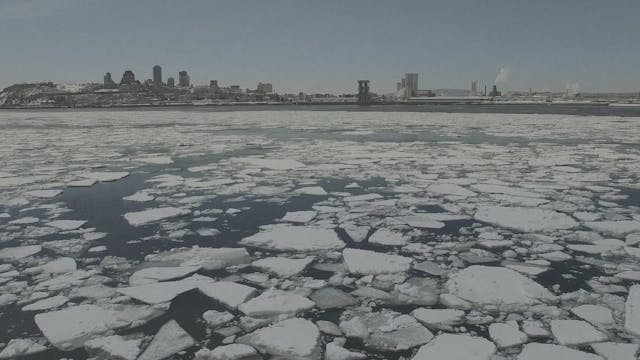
column 537, row 351
column 169, row 340
column 497, row 287
column 289, row 339
column 228, row 293
column 281, row 266
column 575, row 332
column 294, row 238
column 16, row 253
column 524, row 219
column 632, row 311
column 70, row 328
column 144, row 217
column 105, row 176
column 616, row 228
column 207, row 258
column 366, row 262
column 156, row 274
column 456, row 347
column 17, row 348
column 276, row 302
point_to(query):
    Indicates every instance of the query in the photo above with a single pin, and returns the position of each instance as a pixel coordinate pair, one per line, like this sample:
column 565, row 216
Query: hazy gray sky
column 325, row 46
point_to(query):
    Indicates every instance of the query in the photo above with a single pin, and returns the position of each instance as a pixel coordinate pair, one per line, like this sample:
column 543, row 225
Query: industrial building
column 264, row 88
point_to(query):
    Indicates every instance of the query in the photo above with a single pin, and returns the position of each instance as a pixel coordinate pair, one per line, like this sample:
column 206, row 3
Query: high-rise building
column 213, row 84
column 108, row 81
column 474, row 88
column 234, row 88
column 157, row 75
column 183, row 79
column 128, row 78
column 363, row 92
column 411, row 84
column 265, row 88
column 171, row 82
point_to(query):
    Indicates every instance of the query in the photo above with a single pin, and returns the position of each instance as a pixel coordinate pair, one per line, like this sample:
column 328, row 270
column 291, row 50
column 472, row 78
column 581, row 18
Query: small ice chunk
column 283, row 267
column 615, row 228
column 158, row 292
column 46, row 194
column 148, row 216
column 273, row 164
column 355, row 232
column 456, row 347
column 169, row 340
column 366, row 262
column 228, row 352
column 507, row 334
column 575, row 332
column 334, row 351
column 215, row 318
column 139, row 196
column 58, row 266
column 537, row 351
column 332, row 298
column 156, row 160
column 289, row 339
column 276, row 302
column 24, row 220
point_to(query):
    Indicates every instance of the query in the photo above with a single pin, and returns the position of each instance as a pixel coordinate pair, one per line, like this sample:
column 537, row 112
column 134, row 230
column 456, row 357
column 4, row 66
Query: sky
column 325, row 46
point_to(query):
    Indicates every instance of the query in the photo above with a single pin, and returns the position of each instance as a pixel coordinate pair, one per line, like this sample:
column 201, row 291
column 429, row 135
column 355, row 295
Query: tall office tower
column 213, row 84
column 398, row 86
column 128, row 78
column 108, row 81
column 363, row 92
column 171, row 82
column 183, row 79
column 411, row 84
column 157, row 75
column 265, row 88
column 474, row 88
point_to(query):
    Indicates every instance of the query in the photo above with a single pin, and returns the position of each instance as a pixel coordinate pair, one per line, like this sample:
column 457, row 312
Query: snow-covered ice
column 366, row 262
column 144, row 217
column 294, row 238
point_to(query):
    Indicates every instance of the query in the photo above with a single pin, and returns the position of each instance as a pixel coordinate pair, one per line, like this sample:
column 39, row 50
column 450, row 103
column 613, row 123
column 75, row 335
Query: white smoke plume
column 503, row 76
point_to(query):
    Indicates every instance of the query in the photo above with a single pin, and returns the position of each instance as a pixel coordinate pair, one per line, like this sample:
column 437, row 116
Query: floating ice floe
column 289, row 339
column 156, row 160
column 45, row 194
column 70, row 328
column 169, row 340
column 366, row 262
column 284, row 237
column 507, row 334
column 632, row 311
column 497, row 287
column 283, row 267
column 152, row 215
column 24, row 220
column 114, row 347
column 575, row 332
column 105, row 176
column 388, row 237
column 615, row 228
column 207, row 258
column 276, row 302
column 46, row 304
column 595, row 314
column 227, row 293
column 274, row 164
column 16, row 253
column 456, row 347
column 537, row 351
column 139, row 196
column 66, row 224
column 17, row 348
column 156, row 274
column 439, row 318
column 311, row 190
column 524, row 219
column 228, row 352
column 301, row 217
column 616, row 351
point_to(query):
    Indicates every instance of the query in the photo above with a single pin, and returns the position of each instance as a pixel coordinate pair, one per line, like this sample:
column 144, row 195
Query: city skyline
column 325, row 47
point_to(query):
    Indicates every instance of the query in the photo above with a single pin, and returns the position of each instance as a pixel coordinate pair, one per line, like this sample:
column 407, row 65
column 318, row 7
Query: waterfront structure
column 234, row 88
column 128, row 78
column 183, row 79
column 108, row 81
column 157, row 75
column 474, row 88
column 411, row 84
column 494, row 92
column 265, row 88
column 363, row 92
column 171, row 82
column 213, row 84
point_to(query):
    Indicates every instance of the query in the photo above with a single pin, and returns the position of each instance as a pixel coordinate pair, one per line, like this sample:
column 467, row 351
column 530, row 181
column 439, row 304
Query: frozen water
column 148, row 216
column 283, row 267
column 289, row 339
column 456, row 347
column 366, row 262
column 575, row 332
column 537, row 351
column 294, row 238
column 524, row 219
column 276, row 302
column 169, row 340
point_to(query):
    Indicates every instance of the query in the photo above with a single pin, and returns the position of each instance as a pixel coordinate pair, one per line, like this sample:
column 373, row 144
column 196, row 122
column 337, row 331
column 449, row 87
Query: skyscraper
column 157, row 75
column 171, row 82
column 108, row 81
column 183, row 79
column 474, row 88
column 213, row 84
column 411, row 84
column 128, row 78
